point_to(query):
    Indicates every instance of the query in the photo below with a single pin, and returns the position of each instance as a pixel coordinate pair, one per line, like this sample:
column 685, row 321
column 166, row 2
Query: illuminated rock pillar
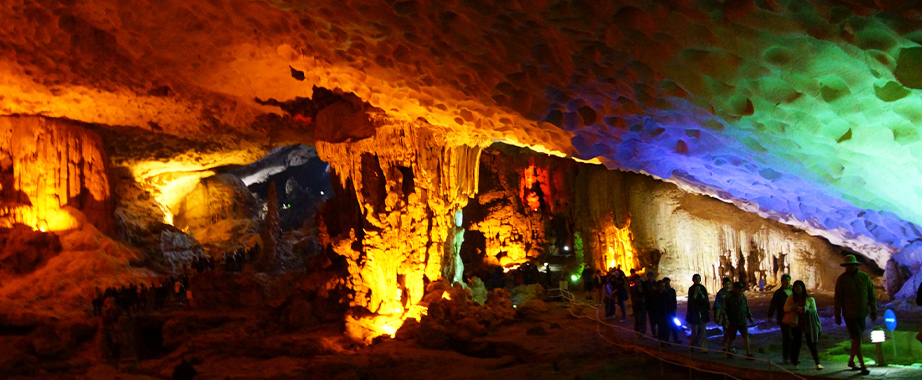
column 408, row 181
column 47, row 164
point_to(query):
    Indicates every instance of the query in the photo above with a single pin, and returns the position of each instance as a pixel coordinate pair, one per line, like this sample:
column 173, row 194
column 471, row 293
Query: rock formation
column 402, row 188
column 47, row 164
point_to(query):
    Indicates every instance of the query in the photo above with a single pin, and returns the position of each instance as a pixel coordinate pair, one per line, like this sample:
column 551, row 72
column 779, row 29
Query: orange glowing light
column 534, row 186
column 618, row 247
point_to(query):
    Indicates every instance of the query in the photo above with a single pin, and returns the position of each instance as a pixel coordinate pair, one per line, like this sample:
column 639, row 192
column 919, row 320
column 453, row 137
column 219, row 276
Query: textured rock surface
column 47, row 164
column 25, row 249
column 407, row 182
column 803, row 111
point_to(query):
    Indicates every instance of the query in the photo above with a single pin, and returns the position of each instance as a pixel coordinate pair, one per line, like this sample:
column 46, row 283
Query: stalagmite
column 409, row 180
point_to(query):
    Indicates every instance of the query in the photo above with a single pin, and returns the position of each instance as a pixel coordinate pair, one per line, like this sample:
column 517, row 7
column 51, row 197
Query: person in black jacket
column 698, row 313
column 638, row 303
column 655, row 310
column 669, row 305
column 776, row 309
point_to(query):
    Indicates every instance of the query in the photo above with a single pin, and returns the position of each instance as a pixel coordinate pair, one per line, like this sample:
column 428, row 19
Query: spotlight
column 676, row 321
column 574, row 278
column 321, row 193
column 566, row 248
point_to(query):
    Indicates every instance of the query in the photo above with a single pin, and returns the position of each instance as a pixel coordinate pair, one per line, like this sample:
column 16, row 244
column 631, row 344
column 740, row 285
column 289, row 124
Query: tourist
column 776, row 309
column 670, row 305
column 800, row 314
column 720, row 317
column 697, row 313
column 655, row 310
column 619, row 292
column 762, row 283
column 651, row 293
column 610, row 295
column 854, row 299
column 735, row 308
column 588, row 283
column 638, row 306
column 599, row 285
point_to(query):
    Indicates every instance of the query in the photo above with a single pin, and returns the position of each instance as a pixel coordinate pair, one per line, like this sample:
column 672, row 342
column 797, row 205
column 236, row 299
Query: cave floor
column 566, row 342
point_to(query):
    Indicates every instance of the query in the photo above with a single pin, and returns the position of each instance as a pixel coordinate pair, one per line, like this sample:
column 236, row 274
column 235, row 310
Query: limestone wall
column 678, row 234
column 47, row 164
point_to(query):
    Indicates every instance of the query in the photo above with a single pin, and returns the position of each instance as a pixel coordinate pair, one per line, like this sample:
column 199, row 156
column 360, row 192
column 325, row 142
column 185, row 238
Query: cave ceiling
column 806, row 112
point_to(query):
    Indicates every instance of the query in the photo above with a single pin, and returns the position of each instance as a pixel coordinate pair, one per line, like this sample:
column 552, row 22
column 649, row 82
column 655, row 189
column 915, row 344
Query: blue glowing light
column 676, row 321
column 890, row 320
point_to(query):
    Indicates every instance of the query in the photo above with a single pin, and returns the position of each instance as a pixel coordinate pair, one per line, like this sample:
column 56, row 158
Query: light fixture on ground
column 878, row 337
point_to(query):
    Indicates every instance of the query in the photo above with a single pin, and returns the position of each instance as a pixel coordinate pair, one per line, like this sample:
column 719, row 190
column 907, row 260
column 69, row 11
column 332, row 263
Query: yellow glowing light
column 170, row 188
column 618, row 247
column 511, row 268
column 446, row 296
column 42, row 228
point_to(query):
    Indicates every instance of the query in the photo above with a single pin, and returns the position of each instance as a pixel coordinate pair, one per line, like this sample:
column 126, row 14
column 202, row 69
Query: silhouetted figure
column 670, row 305
column 698, row 312
column 619, row 291
column 655, row 310
column 855, row 302
column 736, row 308
column 719, row 316
column 638, row 304
column 776, row 309
column 651, row 292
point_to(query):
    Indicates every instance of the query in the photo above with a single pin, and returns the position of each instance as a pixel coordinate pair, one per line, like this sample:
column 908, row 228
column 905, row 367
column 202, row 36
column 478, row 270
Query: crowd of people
column 654, row 302
column 114, row 304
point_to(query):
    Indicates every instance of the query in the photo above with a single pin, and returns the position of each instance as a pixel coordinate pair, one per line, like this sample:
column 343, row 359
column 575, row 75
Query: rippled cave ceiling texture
column 805, row 112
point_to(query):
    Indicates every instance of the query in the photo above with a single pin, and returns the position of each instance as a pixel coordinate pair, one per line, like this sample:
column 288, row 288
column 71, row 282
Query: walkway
column 715, row 362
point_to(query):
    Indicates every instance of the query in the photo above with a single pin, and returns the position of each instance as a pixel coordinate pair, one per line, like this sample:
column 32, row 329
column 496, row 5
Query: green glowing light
column 574, row 278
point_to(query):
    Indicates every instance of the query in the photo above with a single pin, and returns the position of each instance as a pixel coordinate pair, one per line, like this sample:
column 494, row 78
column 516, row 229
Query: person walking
column 736, row 309
column 619, row 291
column 669, row 309
column 855, row 302
column 776, row 308
column 719, row 316
column 650, row 295
column 655, row 310
column 697, row 313
column 800, row 313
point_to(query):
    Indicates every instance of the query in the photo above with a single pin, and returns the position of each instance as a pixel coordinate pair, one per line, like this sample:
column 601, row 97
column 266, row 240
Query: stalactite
column 47, row 164
column 407, row 215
